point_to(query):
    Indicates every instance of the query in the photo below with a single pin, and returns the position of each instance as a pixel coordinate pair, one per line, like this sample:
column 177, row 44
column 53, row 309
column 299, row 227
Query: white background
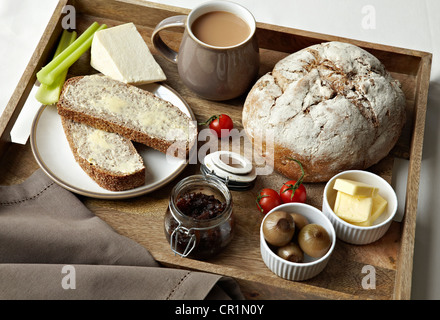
column 413, row 24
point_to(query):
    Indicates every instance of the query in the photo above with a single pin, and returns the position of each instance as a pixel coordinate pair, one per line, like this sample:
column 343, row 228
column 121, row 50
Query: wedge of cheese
column 353, row 209
column 121, row 54
column 355, row 188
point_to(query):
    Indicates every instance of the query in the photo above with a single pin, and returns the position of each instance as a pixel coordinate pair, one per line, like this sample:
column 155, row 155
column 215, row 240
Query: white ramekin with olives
column 296, row 241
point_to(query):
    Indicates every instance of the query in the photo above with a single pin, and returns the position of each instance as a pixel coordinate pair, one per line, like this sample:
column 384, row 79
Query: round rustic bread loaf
column 332, row 106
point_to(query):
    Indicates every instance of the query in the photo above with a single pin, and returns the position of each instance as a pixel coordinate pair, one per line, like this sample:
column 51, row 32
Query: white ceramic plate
column 52, row 152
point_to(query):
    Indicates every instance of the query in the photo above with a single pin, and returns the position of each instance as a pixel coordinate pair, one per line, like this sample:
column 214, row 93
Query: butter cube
column 353, row 209
column 355, row 188
column 379, row 206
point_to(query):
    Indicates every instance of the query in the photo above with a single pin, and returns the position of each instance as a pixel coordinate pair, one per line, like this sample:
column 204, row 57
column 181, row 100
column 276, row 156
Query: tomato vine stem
column 295, row 186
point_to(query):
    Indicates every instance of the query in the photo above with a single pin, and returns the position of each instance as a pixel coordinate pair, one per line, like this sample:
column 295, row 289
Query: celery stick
column 47, row 75
column 74, row 56
column 50, row 94
column 66, row 40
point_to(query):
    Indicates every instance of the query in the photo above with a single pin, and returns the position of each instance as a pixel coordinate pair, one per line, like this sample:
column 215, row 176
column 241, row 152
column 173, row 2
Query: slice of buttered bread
column 109, row 159
column 136, row 114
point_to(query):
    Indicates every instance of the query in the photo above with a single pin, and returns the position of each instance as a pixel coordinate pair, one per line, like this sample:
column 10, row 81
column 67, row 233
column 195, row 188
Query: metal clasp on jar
column 175, row 237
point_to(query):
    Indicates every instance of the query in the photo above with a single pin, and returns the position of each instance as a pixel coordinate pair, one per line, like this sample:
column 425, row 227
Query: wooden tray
column 142, row 218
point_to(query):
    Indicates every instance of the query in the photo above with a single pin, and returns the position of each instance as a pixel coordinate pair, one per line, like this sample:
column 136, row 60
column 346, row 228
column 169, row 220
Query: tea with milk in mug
column 220, row 29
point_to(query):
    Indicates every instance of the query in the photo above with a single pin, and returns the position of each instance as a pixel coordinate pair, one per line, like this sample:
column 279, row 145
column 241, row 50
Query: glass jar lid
column 233, row 169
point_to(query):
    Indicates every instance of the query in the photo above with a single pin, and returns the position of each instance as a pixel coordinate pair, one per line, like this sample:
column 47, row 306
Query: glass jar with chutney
column 199, row 222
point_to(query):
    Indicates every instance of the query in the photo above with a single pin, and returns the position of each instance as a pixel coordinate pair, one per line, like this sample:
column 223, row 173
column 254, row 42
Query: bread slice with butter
column 135, row 114
column 120, row 53
column 109, row 159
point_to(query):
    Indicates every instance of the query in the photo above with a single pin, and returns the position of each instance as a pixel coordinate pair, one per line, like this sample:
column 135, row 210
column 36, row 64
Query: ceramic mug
column 212, row 72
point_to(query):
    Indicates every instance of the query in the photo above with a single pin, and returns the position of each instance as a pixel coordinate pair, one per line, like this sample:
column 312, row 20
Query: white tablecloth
column 413, row 24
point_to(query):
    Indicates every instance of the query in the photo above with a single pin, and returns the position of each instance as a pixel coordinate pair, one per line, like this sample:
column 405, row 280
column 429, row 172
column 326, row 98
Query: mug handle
column 159, row 45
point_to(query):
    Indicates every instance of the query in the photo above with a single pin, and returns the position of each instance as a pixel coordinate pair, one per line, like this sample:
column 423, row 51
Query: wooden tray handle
column 39, row 58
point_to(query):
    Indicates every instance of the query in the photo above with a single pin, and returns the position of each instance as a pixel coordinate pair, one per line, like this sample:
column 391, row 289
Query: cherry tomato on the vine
column 268, row 199
column 293, row 192
column 221, row 124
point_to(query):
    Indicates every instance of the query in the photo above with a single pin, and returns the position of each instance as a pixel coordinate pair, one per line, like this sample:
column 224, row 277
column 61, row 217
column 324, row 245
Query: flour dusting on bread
column 333, row 106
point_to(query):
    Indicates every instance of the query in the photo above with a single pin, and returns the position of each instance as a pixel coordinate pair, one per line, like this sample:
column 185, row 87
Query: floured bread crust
column 332, row 106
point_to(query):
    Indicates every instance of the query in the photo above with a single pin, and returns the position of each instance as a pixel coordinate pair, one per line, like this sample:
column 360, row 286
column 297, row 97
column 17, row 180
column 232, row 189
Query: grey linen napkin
column 53, row 247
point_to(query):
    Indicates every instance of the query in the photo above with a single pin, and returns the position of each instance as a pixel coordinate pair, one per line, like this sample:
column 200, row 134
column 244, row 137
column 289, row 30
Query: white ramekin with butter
column 349, row 229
